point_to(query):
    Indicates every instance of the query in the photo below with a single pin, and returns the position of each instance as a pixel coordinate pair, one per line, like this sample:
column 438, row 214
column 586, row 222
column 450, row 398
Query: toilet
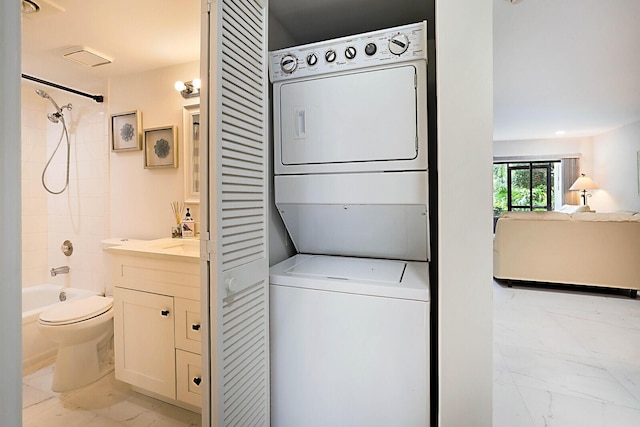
column 83, row 330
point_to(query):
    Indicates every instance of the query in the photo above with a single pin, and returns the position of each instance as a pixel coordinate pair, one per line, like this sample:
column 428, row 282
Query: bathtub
column 36, row 347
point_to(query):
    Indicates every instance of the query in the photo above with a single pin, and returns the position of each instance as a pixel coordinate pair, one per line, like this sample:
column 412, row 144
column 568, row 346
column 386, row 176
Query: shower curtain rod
column 97, row 98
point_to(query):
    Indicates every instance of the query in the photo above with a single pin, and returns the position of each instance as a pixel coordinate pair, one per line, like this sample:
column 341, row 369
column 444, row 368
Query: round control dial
column 398, row 44
column 288, row 64
column 370, row 49
column 312, row 59
column 330, row 55
column 350, row 52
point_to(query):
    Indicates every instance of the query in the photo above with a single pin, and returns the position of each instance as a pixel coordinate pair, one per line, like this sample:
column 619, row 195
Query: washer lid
column 370, row 270
column 362, row 276
column 77, row 310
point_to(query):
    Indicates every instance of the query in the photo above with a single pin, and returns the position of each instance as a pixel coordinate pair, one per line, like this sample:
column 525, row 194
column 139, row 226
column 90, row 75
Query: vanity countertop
column 181, row 248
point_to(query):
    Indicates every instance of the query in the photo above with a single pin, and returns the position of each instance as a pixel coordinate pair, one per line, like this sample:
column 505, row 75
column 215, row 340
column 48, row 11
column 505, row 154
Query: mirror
column 191, row 126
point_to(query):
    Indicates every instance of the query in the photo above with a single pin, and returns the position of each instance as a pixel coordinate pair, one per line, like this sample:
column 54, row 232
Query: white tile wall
column 80, row 214
column 34, row 200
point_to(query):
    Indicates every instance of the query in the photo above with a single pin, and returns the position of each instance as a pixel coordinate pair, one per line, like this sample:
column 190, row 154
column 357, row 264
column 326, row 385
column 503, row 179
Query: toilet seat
column 76, row 311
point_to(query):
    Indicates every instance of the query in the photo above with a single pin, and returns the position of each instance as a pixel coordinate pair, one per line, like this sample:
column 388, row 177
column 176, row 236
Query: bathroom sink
column 188, row 247
column 168, row 246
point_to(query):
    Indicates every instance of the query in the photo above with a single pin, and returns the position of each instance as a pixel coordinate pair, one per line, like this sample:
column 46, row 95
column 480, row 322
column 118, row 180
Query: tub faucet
column 59, row 270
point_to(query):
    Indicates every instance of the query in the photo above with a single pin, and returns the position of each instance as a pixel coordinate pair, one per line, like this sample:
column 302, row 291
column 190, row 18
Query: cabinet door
column 144, row 340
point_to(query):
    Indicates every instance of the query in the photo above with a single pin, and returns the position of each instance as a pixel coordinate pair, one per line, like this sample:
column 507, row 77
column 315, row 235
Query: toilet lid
column 77, row 311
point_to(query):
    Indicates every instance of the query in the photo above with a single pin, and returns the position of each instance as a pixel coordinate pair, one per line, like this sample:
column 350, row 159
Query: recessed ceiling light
column 560, row 132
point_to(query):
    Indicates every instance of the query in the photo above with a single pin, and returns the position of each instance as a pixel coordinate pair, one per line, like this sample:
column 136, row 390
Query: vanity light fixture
column 189, row 89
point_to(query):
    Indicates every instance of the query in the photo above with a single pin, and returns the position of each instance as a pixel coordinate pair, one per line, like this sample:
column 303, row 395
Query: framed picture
column 125, row 131
column 161, row 147
column 638, row 170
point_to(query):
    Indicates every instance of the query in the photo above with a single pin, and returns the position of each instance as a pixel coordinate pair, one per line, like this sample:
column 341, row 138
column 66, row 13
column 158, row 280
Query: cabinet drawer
column 188, row 326
column 189, row 378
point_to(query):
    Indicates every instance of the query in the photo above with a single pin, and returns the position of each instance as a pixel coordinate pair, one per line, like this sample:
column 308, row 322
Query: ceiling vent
column 86, row 56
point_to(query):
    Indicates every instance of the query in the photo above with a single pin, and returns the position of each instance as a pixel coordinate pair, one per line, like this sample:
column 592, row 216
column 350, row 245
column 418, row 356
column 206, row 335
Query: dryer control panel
column 399, row 44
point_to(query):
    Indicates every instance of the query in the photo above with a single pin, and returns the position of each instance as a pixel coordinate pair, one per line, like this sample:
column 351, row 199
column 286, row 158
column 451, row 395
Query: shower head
column 57, row 116
column 45, row 95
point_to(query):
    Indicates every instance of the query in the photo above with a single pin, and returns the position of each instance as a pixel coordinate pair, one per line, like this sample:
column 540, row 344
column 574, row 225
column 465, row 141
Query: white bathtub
column 36, row 299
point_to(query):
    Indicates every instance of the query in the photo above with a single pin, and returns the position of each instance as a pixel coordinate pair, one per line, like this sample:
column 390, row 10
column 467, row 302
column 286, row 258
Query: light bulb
column 180, row 86
column 196, row 84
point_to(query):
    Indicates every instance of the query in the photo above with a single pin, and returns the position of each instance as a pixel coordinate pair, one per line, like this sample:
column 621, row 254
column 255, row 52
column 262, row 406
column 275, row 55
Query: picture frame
column 161, row 147
column 126, row 131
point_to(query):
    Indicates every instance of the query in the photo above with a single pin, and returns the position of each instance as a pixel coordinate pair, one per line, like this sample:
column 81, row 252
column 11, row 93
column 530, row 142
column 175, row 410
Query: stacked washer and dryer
column 350, row 312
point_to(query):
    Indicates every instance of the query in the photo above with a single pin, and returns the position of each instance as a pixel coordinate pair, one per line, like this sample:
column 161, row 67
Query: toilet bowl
column 83, row 330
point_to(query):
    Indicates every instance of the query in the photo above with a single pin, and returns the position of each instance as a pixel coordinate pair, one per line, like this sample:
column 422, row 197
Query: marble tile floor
column 561, row 359
column 565, row 358
column 105, row 403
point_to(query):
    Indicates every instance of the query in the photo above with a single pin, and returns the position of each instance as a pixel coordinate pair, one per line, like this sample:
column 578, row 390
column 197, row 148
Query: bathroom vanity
column 157, row 330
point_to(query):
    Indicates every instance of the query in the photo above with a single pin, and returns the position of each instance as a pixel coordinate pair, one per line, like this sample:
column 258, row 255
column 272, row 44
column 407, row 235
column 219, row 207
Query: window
column 524, row 186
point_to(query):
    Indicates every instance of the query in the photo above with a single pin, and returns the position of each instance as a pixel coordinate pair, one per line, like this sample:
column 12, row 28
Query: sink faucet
column 59, row 270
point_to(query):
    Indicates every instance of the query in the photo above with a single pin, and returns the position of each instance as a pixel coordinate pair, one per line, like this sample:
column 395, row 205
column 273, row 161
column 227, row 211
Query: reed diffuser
column 178, row 209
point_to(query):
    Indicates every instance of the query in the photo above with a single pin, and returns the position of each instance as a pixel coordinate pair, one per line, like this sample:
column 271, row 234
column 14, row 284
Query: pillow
column 574, row 208
column 605, row 216
column 537, row 215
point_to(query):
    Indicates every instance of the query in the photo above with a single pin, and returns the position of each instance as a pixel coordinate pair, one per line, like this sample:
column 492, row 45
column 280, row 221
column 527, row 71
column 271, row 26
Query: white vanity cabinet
column 157, row 333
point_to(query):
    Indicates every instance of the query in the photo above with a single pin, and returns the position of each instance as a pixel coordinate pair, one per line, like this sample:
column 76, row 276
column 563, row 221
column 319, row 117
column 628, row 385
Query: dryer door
column 365, row 116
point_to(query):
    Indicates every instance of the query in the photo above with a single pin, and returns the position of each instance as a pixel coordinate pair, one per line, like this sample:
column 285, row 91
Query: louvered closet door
column 239, row 286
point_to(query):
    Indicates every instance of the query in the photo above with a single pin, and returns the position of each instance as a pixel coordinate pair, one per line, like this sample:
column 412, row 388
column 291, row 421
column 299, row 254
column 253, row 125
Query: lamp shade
column 583, row 183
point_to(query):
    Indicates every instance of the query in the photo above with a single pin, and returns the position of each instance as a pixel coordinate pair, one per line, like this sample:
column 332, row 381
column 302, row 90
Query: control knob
column 288, row 64
column 398, row 44
column 312, row 59
column 330, row 56
column 350, row 52
column 370, row 49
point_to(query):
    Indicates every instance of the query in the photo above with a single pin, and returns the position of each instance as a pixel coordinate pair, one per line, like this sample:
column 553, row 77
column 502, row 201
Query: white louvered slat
column 240, row 258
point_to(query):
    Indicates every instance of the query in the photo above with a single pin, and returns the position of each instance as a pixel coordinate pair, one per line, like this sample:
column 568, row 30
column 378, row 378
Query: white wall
column 615, row 169
column 464, row 89
column 10, row 252
column 140, row 198
column 545, row 148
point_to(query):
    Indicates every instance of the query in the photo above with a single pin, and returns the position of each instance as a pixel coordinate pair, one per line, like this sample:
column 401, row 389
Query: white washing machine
column 349, row 315
column 349, row 342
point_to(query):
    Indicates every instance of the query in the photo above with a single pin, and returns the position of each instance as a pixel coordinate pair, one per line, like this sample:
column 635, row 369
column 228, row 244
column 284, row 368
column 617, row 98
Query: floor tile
column 572, row 358
column 572, row 375
column 509, row 409
column 551, row 409
column 106, row 402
